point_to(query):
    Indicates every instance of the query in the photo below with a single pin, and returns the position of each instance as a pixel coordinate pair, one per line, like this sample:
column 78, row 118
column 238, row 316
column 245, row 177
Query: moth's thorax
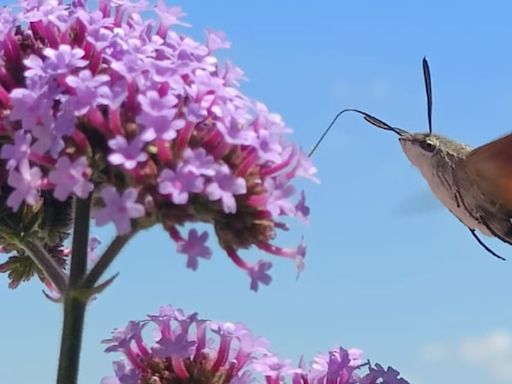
column 439, row 159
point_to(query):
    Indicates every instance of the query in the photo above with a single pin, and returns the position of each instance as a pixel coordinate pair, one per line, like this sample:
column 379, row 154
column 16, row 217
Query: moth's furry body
column 441, row 161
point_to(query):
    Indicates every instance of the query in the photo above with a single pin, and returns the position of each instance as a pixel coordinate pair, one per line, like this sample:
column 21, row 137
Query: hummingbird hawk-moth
column 475, row 184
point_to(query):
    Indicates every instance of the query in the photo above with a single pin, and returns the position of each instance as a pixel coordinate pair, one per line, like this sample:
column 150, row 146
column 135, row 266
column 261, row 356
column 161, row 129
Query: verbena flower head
column 188, row 350
column 145, row 119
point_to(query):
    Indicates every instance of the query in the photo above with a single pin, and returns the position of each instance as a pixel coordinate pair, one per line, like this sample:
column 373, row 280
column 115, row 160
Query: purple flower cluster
column 146, row 120
column 187, row 349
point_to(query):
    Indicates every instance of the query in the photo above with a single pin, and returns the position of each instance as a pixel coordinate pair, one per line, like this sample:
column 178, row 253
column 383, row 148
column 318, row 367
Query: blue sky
column 388, row 269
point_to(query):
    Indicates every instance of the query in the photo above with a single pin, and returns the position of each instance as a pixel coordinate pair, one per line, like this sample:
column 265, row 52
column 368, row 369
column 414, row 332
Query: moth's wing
column 490, row 168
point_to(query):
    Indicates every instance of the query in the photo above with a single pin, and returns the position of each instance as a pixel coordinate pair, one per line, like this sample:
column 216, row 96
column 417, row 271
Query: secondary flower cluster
column 145, row 121
column 184, row 353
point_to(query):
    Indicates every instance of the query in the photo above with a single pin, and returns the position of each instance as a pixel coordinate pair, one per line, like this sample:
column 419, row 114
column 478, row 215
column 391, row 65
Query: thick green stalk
column 71, row 341
column 75, row 304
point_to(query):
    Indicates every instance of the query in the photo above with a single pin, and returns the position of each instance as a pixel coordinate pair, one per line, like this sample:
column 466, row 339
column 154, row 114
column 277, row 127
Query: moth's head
column 421, row 148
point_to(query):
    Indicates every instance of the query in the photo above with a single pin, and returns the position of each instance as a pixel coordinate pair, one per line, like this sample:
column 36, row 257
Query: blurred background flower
column 189, row 350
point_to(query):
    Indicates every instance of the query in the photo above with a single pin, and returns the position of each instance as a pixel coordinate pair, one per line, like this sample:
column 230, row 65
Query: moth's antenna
column 369, row 118
column 428, row 89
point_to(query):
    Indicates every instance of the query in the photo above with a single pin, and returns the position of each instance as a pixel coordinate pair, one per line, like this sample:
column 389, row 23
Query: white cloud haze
column 491, row 353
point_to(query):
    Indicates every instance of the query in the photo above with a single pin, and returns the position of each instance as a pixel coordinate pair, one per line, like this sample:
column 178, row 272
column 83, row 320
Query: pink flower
column 192, row 350
column 17, row 151
column 97, row 102
column 194, row 247
column 126, row 154
column 69, row 177
column 224, row 187
column 25, row 182
column 179, row 184
column 119, row 209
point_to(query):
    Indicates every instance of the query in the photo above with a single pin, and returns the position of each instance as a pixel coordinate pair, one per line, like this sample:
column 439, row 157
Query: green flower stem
column 71, row 342
column 80, row 245
column 106, row 259
column 75, row 304
column 45, row 262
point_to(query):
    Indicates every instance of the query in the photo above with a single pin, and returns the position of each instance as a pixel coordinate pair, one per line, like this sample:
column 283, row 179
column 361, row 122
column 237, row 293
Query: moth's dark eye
column 427, row 146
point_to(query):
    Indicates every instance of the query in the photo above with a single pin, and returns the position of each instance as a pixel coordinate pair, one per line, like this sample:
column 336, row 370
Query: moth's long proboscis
column 369, row 118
